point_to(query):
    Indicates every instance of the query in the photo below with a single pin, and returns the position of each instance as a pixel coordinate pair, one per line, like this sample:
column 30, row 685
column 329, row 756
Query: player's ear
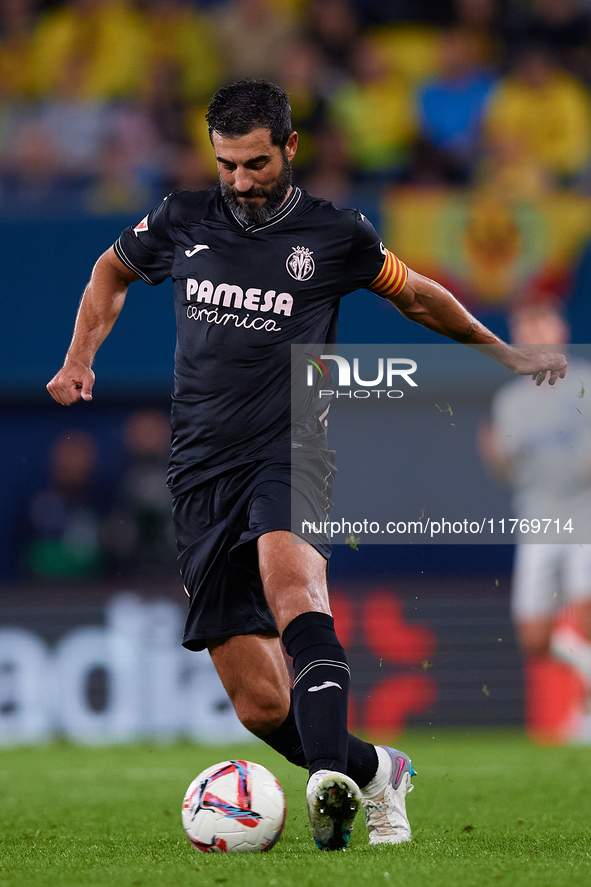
column 291, row 145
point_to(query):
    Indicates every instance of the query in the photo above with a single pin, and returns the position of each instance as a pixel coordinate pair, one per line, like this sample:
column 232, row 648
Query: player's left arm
column 427, row 302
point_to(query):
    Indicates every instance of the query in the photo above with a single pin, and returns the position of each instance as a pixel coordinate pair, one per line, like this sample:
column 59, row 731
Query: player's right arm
column 99, row 308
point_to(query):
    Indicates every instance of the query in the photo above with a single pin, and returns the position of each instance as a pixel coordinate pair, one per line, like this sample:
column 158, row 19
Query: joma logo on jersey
column 230, row 295
column 300, row 263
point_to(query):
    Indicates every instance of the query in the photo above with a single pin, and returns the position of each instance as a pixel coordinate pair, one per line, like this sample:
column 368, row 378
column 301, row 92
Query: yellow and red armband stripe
column 391, row 279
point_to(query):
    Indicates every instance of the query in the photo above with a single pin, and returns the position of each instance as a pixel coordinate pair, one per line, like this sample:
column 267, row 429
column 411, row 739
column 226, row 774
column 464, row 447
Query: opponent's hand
column 74, row 382
column 540, row 363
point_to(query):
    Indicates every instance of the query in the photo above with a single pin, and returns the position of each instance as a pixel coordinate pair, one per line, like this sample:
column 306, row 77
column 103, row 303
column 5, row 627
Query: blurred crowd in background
column 77, row 528
column 102, row 101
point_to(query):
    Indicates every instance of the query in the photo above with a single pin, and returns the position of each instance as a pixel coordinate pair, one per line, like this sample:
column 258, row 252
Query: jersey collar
column 287, row 208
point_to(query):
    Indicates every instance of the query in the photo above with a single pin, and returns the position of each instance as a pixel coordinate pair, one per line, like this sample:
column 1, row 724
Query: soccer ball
column 234, row 807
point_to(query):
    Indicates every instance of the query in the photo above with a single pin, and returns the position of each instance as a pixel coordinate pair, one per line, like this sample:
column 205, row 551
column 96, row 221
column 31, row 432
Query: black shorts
column 217, row 524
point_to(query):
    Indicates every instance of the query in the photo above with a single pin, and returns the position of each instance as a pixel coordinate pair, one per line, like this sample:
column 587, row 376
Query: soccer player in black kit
column 257, row 265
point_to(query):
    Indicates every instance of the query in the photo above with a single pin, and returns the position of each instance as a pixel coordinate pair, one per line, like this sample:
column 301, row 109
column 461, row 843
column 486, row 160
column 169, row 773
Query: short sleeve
column 147, row 248
column 367, row 254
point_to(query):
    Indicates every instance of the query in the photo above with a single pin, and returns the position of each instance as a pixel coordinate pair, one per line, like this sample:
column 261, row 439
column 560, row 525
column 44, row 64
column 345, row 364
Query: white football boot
column 333, row 800
column 384, row 798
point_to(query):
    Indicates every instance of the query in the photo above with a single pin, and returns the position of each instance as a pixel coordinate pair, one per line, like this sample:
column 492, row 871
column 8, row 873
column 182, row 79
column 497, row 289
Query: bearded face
column 243, row 205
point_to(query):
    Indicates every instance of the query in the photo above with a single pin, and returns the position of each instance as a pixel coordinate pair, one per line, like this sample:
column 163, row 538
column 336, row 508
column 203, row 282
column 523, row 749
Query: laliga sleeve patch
column 143, row 226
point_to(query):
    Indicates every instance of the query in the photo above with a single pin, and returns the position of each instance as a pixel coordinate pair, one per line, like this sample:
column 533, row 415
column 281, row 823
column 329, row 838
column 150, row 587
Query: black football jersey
column 243, row 295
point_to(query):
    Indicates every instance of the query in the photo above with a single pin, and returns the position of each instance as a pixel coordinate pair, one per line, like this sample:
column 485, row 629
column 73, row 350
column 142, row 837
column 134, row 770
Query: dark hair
column 237, row 109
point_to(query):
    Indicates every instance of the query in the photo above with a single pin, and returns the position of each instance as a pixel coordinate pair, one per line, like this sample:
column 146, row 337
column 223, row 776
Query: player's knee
column 535, row 644
column 535, row 651
column 260, row 721
column 261, row 714
column 534, row 631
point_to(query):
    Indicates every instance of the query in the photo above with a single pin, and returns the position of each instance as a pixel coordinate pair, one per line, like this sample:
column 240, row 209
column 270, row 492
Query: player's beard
column 251, row 214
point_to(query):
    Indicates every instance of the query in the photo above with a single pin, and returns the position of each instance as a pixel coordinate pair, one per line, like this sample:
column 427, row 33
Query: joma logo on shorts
column 232, row 296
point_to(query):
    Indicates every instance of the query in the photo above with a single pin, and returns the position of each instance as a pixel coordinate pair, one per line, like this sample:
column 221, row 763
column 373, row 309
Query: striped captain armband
column 392, row 278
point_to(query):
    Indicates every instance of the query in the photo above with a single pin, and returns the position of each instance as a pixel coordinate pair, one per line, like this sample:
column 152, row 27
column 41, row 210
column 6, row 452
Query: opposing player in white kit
column 540, row 442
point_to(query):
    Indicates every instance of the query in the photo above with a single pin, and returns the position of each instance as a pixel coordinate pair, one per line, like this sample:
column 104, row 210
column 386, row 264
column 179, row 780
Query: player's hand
column 541, row 364
column 74, row 382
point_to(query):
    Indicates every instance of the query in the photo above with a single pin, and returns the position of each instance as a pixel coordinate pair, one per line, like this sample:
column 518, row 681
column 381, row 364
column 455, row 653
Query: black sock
column 286, row 740
column 362, row 759
column 321, row 690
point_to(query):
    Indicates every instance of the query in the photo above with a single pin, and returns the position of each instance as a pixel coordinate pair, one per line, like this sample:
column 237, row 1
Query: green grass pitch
column 489, row 808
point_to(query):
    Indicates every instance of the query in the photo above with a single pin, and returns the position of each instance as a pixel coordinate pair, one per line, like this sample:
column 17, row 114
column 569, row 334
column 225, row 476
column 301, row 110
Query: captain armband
column 392, row 278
